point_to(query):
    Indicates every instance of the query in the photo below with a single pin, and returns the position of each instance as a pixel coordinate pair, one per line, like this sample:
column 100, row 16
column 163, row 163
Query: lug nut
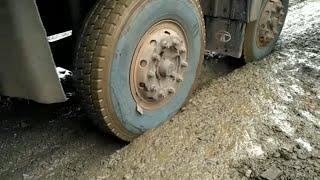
column 261, row 38
column 156, row 57
column 176, row 42
column 161, row 95
column 269, row 36
column 173, row 75
column 179, row 79
column 171, row 90
column 164, row 44
column 153, row 88
column 182, row 50
column 151, row 74
column 184, row 64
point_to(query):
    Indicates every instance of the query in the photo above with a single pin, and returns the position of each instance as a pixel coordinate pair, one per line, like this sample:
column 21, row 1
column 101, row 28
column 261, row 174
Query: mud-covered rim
column 270, row 23
column 159, row 64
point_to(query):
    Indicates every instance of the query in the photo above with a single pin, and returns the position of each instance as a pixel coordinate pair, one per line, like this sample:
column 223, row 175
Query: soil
column 258, row 121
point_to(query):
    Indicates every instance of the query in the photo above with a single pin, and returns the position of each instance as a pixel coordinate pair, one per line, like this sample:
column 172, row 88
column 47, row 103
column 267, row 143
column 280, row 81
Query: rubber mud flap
column 27, row 69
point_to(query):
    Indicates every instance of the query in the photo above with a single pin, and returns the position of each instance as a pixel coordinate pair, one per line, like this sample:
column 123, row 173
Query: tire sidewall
column 144, row 15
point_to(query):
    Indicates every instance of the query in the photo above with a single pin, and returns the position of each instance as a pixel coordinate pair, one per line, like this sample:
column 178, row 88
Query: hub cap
column 270, row 23
column 159, row 64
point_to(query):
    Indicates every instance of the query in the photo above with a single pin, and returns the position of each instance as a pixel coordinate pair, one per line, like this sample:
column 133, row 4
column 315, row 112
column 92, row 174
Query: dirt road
column 260, row 121
column 57, row 140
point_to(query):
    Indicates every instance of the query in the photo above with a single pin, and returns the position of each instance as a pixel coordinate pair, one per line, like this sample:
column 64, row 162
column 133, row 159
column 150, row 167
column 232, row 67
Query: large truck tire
column 262, row 34
column 137, row 62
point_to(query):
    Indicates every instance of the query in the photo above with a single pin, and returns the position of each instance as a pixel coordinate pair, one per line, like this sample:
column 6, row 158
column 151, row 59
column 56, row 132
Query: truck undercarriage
column 122, row 51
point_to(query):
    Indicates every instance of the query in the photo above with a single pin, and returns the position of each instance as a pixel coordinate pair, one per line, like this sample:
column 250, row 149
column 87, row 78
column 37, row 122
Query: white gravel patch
column 310, row 117
column 280, row 117
column 301, row 19
column 305, row 144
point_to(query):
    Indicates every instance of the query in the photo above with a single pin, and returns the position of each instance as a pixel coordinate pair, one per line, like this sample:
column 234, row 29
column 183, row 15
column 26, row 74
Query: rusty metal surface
column 158, row 65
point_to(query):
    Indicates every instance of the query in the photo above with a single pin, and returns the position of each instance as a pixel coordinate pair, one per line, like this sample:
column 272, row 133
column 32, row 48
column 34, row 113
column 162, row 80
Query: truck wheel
column 262, row 35
column 137, row 62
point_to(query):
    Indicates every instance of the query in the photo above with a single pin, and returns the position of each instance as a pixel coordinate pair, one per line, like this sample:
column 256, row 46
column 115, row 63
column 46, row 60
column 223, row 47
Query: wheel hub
column 159, row 64
column 270, row 22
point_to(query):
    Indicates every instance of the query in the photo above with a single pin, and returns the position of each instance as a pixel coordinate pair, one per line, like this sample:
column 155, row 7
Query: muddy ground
column 258, row 121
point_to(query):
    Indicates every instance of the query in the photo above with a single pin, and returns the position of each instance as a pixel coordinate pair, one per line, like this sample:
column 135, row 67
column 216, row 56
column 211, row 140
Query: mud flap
column 27, row 69
column 225, row 36
column 226, row 22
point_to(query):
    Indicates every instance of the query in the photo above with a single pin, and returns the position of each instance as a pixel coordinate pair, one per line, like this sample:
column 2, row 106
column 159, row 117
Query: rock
column 127, row 176
column 316, row 154
column 248, row 173
column 272, row 173
column 183, row 109
column 285, row 155
column 276, row 154
column 301, row 155
column 27, row 177
column 103, row 162
column 294, row 156
column 297, row 167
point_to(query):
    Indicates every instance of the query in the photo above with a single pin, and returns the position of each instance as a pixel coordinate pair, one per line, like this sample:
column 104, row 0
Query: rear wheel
column 137, row 63
column 262, row 34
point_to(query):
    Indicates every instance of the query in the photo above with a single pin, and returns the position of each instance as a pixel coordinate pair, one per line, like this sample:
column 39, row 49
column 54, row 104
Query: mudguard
column 226, row 22
column 27, row 69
